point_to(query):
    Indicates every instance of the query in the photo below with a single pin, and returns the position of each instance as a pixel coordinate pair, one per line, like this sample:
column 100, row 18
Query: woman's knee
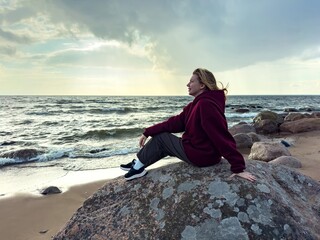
column 161, row 136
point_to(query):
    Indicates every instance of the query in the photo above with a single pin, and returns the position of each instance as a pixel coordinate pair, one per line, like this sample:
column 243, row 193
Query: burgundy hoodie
column 206, row 137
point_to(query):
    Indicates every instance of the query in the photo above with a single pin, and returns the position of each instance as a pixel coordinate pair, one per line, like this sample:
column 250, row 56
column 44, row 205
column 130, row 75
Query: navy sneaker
column 128, row 166
column 132, row 174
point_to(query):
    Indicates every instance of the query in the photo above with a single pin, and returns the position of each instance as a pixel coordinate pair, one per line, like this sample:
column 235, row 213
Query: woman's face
column 194, row 86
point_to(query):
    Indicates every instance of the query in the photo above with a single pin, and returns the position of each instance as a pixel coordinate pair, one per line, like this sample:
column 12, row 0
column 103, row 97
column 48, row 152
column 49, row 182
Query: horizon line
column 93, row 95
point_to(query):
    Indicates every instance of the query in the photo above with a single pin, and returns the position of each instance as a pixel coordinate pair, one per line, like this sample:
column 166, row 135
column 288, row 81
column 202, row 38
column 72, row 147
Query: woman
column 205, row 139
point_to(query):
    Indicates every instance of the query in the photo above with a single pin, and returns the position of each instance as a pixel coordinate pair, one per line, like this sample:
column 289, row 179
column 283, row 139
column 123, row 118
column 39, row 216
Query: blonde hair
column 207, row 78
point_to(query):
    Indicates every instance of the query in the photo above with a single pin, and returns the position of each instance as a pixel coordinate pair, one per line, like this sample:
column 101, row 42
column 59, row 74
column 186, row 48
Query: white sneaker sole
column 125, row 169
column 137, row 175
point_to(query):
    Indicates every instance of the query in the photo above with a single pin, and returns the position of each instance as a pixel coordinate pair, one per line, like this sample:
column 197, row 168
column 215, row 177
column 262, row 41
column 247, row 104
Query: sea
column 96, row 132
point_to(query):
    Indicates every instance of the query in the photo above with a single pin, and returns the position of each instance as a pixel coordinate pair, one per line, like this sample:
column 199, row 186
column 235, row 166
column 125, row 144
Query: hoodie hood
column 217, row 96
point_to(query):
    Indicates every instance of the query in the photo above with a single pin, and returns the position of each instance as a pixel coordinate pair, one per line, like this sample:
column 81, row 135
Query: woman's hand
column 142, row 140
column 245, row 175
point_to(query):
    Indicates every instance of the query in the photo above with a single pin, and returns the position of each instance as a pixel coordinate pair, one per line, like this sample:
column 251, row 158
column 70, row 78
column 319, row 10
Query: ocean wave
column 5, row 134
column 24, row 122
column 119, row 110
column 51, row 123
column 6, row 143
column 15, row 157
column 103, row 154
column 53, row 155
column 125, row 110
column 69, row 153
column 44, row 113
column 115, row 133
column 44, row 106
column 11, row 161
column 15, row 107
column 102, row 134
column 68, row 101
column 249, row 106
column 76, row 107
column 19, row 156
column 230, row 115
column 234, row 118
column 103, row 101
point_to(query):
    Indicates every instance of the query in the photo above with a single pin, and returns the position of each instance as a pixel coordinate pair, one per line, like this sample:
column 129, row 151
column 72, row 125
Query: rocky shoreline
column 264, row 136
column 268, row 122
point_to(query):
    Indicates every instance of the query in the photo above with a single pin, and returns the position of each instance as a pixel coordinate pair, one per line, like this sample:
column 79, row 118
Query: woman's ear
column 203, row 86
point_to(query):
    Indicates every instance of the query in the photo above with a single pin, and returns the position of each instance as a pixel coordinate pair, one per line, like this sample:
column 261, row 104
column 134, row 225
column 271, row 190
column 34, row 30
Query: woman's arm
column 215, row 125
column 174, row 124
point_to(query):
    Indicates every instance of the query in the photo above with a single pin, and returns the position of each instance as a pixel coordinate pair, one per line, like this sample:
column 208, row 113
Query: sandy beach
column 32, row 216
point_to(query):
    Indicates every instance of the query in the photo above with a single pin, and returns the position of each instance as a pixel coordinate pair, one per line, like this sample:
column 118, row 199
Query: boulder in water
column 50, row 190
column 242, row 110
column 22, row 154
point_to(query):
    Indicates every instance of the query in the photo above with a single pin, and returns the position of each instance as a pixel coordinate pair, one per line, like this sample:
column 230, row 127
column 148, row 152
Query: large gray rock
column 243, row 140
column 301, row 125
column 266, row 126
column 267, row 151
column 241, row 128
column 267, row 122
column 21, row 156
column 254, row 137
column 293, row 116
column 180, row 201
column 287, row 161
column 291, row 110
column 268, row 115
column 242, row 110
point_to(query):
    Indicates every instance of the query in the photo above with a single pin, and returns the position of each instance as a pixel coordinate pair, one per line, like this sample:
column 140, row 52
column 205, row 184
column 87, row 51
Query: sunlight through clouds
column 265, row 47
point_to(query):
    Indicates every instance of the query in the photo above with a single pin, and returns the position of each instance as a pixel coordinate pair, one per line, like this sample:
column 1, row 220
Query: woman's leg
column 160, row 146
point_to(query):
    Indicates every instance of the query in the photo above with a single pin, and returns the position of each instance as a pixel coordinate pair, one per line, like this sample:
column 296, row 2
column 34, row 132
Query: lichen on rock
column 179, row 201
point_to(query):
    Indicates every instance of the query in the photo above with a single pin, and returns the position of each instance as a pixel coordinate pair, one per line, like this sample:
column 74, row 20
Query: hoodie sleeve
column 215, row 125
column 174, row 124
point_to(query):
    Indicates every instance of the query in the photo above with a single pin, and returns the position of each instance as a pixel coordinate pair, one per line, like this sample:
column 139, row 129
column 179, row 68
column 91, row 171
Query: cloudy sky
column 151, row 47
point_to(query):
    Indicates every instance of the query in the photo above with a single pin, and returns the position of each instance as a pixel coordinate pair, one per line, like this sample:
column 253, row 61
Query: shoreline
column 33, row 216
column 31, row 181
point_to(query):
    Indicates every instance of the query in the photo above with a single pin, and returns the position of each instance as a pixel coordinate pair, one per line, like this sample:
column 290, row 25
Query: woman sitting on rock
column 205, row 139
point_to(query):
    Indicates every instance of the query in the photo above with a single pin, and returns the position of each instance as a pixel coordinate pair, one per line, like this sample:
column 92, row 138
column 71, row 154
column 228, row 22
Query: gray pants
column 160, row 146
